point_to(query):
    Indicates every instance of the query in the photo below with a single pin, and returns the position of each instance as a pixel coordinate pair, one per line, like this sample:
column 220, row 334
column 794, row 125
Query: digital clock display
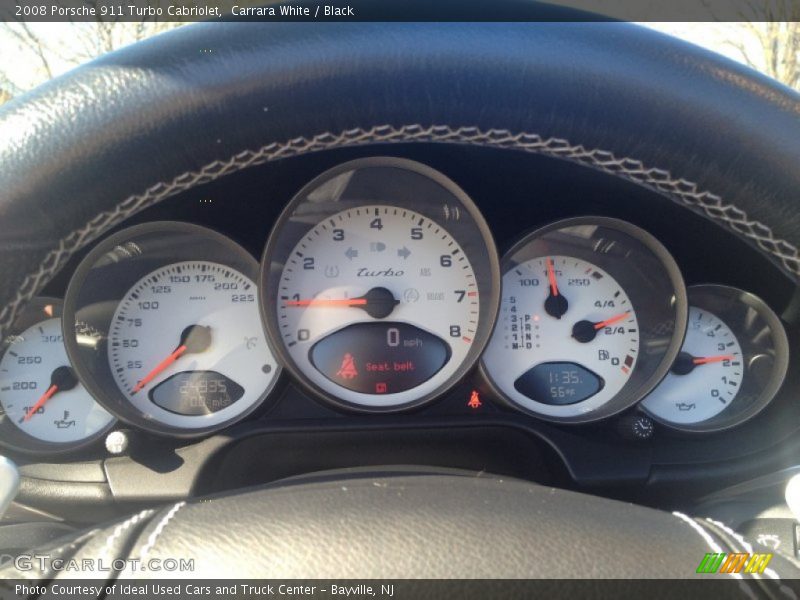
column 558, row 383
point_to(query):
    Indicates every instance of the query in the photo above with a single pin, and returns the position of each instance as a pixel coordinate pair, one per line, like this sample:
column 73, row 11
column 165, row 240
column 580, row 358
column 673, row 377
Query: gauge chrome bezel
column 12, row 436
column 525, row 249
column 175, row 242
column 725, row 302
column 293, row 224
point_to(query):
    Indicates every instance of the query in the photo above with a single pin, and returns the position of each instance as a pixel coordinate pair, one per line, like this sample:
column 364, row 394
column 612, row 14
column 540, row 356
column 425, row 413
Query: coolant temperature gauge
column 45, row 406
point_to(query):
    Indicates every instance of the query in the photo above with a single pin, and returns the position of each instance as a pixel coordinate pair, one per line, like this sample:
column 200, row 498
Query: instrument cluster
column 380, row 288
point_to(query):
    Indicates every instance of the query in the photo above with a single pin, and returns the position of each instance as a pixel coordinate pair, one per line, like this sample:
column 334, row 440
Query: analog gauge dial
column 182, row 341
column 45, row 407
column 732, row 362
column 378, row 303
column 177, row 344
column 592, row 314
column 577, row 317
column 369, row 314
column 706, row 376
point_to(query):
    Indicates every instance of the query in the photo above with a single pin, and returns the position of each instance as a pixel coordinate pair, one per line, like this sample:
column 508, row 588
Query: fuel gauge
column 732, row 362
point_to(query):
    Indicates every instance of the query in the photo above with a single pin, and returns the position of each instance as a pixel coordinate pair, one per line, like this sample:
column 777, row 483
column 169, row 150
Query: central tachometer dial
column 379, row 304
column 378, row 300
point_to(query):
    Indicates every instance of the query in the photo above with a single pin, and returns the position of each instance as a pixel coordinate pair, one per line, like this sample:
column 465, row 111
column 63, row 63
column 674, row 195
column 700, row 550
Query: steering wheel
column 89, row 149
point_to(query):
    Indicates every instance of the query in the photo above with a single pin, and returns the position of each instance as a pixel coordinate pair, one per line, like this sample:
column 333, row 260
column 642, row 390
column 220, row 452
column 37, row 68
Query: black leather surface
column 411, row 526
column 149, row 113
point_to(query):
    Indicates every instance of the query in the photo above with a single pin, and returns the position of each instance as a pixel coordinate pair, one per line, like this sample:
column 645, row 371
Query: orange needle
column 40, row 402
column 160, row 367
column 612, row 320
column 551, row 275
column 324, row 302
column 711, row 359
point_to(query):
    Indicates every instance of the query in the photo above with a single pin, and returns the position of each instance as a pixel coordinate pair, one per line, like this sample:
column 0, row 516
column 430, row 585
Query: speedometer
column 180, row 340
column 380, row 284
column 173, row 341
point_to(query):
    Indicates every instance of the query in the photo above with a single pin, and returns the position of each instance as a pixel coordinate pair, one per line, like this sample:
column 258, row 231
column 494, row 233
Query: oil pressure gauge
column 592, row 315
column 732, row 363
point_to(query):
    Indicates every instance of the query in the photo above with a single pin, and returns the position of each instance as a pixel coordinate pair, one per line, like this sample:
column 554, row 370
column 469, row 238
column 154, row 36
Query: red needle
column 612, row 320
column 551, row 275
column 711, row 359
column 40, row 402
column 160, row 367
column 324, row 302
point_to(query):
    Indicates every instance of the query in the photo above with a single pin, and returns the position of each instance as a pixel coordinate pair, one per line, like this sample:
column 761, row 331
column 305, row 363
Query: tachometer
column 180, row 347
column 732, row 363
column 45, row 407
column 380, row 284
column 593, row 311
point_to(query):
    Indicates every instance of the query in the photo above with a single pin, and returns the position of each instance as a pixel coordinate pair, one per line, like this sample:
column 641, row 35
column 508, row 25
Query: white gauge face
column 567, row 337
column 378, row 306
column 40, row 393
column 706, row 376
column 186, row 346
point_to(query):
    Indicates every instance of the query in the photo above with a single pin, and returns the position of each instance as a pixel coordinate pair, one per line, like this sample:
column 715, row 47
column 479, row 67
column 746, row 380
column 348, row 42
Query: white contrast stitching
column 120, row 529
column 151, row 540
column 681, row 191
column 787, row 591
column 715, row 547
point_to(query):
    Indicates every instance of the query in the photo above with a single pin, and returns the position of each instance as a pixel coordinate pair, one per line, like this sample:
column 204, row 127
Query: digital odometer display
column 196, row 393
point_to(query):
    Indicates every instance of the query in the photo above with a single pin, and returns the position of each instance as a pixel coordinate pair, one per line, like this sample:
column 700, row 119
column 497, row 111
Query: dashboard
column 456, row 307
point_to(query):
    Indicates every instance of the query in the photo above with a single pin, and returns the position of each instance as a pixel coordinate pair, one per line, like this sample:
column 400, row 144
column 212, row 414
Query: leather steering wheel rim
column 407, row 523
column 89, row 149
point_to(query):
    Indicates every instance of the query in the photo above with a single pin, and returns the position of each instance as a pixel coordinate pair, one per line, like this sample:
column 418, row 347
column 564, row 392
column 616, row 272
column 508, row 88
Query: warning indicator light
column 474, row 400
column 381, row 388
column 348, row 369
